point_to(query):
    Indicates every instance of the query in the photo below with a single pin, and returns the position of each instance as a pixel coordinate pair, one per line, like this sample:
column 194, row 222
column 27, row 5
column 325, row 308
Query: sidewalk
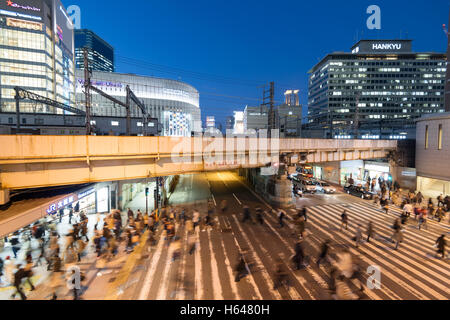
column 40, row 273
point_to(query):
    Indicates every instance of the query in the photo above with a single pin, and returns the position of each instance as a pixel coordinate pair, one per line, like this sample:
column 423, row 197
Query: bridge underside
column 44, row 161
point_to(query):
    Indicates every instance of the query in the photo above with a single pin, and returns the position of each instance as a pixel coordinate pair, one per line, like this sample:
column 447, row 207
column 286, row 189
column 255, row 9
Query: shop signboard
column 86, row 193
column 54, row 207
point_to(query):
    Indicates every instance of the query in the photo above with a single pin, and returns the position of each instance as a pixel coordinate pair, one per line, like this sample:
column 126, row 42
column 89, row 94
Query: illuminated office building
column 376, row 91
column 100, row 53
column 36, row 54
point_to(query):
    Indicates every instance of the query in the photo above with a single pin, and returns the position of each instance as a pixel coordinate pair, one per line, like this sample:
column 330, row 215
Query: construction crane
column 22, row 94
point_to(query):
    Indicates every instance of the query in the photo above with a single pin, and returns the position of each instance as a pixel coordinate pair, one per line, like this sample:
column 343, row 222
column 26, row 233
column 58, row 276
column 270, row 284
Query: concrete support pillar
column 4, row 196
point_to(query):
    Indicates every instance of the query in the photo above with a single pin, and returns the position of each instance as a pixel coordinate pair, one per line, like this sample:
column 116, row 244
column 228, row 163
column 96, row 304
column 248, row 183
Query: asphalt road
column 412, row 272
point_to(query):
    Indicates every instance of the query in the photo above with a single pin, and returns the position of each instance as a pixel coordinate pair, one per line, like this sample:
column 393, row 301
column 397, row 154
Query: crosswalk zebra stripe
column 318, row 225
column 145, row 291
column 199, row 290
column 410, row 244
column 251, row 278
column 234, row 288
column 217, row 287
column 264, row 273
column 317, row 278
column 292, row 293
column 431, row 291
column 418, row 266
column 425, row 235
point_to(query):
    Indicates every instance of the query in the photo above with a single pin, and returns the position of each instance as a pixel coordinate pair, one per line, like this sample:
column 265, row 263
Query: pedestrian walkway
column 205, row 267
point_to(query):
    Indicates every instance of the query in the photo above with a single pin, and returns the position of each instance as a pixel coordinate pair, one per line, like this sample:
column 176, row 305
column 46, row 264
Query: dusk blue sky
column 226, row 49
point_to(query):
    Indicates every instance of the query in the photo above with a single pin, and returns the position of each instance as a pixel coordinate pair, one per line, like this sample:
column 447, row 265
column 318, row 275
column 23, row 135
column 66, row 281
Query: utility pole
column 272, row 116
column 87, row 86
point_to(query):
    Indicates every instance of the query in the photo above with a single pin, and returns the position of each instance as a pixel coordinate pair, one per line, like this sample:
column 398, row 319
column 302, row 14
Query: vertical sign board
column 63, row 27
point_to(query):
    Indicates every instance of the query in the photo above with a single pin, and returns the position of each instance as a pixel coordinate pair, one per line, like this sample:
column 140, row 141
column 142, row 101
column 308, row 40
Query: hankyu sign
column 387, row 46
column 382, row 46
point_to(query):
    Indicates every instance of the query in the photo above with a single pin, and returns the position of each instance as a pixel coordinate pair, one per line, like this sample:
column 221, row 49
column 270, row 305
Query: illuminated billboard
column 23, row 9
column 63, row 27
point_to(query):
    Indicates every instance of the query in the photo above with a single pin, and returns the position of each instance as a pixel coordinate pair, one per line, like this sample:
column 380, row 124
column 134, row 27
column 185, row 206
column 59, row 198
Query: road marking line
column 263, row 270
column 362, row 257
column 240, row 203
column 405, row 275
column 217, row 286
column 424, row 273
column 214, row 199
column 230, row 272
column 145, row 291
column 198, row 292
column 411, row 237
column 251, row 279
column 124, row 273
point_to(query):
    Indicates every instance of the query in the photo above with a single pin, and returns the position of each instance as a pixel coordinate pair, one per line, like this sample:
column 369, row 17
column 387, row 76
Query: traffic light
column 147, row 191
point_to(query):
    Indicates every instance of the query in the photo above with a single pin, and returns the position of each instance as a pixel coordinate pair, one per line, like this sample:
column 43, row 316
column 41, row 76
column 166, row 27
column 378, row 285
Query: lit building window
column 440, row 137
column 426, row 137
column 115, row 123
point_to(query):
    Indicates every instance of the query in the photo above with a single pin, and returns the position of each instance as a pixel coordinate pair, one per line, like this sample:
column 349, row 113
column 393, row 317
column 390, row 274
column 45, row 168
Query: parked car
column 325, row 187
column 292, row 176
column 304, row 184
column 359, row 191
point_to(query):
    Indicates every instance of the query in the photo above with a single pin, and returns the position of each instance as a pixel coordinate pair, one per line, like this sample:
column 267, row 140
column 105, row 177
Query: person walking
column 18, row 277
column 370, row 231
column 70, row 216
column 240, row 268
column 196, row 218
column 191, row 243
column 61, row 214
column 358, row 236
column 398, row 237
column 246, row 214
column 344, row 220
column 15, row 246
column 301, row 226
column 259, row 216
column 423, row 219
column 299, row 255
column 303, row 213
column 281, row 274
column 281, row 216
column 324, row 250
column 441, row 244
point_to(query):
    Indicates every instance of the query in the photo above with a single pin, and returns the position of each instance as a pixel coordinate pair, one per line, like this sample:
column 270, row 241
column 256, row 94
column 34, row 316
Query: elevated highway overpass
column 44, row 161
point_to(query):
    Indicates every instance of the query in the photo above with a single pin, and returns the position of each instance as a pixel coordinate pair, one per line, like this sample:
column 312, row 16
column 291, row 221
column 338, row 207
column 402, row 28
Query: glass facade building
column 100, row 53
column 175, row 104
column 36, row 54
column 377, row 91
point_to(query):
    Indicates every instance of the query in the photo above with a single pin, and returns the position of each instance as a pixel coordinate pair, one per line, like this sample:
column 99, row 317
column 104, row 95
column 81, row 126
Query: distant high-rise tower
column 292, row 98
column 447, row 83
column 101, row 53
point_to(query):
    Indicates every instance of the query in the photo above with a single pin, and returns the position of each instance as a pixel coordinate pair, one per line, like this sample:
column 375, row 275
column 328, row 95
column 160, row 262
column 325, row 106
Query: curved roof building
column 174, row 103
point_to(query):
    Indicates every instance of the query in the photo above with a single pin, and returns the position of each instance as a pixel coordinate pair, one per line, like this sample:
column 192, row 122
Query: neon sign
column 59, row 205
column 10, row 22
column 19, row 6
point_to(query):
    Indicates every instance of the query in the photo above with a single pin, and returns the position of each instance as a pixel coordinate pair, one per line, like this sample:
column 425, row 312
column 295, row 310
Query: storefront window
column 103, row 200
